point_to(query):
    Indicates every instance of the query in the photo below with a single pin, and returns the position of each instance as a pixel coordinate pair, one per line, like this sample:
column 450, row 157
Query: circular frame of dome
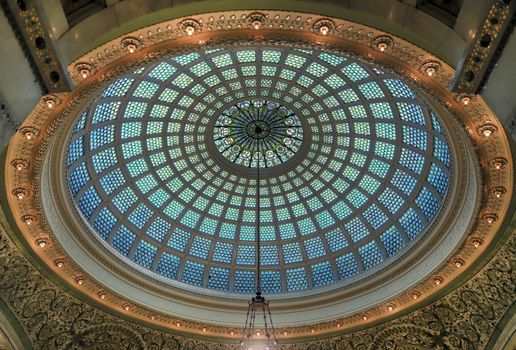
column 122, row 285
column 142, row 172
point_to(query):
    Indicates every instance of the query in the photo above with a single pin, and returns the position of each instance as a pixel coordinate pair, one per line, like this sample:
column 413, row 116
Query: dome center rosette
column 258, row 132
column 371, row 171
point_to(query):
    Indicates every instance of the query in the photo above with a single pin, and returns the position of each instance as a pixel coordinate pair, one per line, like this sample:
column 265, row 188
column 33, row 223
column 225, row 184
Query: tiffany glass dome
column 162, row 168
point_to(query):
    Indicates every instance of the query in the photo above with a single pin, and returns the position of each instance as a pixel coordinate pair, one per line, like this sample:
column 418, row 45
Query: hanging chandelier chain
column 258, row 281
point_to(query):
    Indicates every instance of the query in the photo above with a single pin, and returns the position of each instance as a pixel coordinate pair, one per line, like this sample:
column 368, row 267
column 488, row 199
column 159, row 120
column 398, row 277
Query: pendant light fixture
column 258, row 335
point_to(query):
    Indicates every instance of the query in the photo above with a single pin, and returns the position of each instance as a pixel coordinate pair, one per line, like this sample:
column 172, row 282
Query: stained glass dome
column 364, row 175
column 258, row 134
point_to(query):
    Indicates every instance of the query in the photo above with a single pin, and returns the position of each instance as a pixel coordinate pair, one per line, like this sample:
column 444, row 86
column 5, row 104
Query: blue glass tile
column 269, row 255
column 322, row 274
column 223, row 252
column 271, row 281
column 193, row 273
column 314, row 248
column 347, row 266
column 144, row 254
column 291, row 253
column 123, row 240
column 158, row 229
column 104, row 222
column 412, row 223
column 392, row 241
column 370, row 255
column 244, row 281
column 246, row 255
column 336, row 240
column 140, row 216
column 428, row 204
column 200, row 247
column 179, row 239
column 296, row 279
column 88, row 202
column 168, row 265
column 218, row 278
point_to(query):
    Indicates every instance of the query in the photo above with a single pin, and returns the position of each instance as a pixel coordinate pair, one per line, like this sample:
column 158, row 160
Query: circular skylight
column 258, row 133
column 365, row 174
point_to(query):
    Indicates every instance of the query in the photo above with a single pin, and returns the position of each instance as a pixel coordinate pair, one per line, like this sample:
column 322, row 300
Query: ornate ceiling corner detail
column 324, row 26
column 24, row 18
column 190, row 26
column 485, row 48
column 84, row 70
column 415, row 59
column 382, row 43
column 107, row 336
column 131, row 44
column 256, row 20
column 431, row 68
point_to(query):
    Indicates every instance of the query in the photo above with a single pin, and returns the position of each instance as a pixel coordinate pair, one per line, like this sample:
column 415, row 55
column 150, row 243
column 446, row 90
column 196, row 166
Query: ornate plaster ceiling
column 470, row 222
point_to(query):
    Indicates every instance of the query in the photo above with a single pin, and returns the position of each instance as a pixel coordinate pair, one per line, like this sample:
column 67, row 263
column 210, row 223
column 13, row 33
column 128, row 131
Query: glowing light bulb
column 476, row 242
column 50, row 104
column 364, row 317
column 324, row 30
column 59, row 263
column 42, row 243
column 85, row 73
column 190, row 30
column 131, row 48
column 257, row 24
column 382, row 46
column 465, row 100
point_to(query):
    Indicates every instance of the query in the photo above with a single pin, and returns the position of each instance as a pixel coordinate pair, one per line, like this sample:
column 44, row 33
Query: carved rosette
column 20, row 173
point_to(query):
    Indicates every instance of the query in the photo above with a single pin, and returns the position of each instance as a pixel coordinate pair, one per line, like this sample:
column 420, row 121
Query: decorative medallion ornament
column 258, row 132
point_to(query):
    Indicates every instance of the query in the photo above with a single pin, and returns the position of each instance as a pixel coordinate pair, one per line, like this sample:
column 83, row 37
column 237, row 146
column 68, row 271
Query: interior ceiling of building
column 145, row 170
column 130, row 215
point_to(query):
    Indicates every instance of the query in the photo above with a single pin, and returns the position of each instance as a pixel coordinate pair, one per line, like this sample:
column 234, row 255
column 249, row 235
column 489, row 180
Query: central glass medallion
column 257, row 132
